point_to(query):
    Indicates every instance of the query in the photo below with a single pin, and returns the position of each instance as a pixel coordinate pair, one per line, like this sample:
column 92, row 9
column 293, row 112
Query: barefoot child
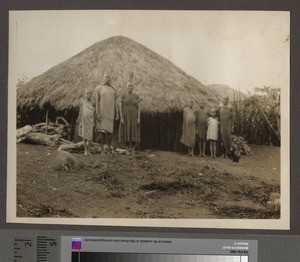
column 212, row 132
column 86, row 120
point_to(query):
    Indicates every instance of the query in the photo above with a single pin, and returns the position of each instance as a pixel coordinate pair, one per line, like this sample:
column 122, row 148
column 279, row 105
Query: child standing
column 86, row 120
column 212, row 132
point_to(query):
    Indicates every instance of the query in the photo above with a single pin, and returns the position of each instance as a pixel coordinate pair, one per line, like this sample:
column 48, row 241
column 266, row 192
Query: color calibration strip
column 124, row 257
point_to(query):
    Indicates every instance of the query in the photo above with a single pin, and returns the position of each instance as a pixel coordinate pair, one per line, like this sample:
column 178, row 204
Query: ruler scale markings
column 38, row 248
column 47, row 249
column 24, row 247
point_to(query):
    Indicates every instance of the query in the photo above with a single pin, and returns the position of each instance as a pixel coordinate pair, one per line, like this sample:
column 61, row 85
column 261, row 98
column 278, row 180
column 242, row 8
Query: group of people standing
column 212, row 126
column 100, row 112
column 103, row 110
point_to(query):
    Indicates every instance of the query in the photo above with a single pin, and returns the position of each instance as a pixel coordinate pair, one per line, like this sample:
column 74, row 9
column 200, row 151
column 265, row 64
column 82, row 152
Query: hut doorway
column 161, row 131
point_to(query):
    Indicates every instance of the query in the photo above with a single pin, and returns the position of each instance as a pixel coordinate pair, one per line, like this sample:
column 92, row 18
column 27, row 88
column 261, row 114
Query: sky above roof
column 242, row 49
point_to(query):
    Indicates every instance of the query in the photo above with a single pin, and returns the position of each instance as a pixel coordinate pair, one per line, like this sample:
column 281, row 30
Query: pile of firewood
column 49, row 134
column 56, row 134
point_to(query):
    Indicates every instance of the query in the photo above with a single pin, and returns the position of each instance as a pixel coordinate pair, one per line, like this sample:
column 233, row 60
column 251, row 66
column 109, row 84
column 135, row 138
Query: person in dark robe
column 201, row 126
column 226, row 125
column 189, row 128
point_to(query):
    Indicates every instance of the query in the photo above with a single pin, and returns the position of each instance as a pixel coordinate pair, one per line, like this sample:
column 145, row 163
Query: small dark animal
column 235, row 157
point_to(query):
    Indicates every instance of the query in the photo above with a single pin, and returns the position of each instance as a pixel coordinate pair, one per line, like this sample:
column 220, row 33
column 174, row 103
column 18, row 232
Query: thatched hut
column 162, row 86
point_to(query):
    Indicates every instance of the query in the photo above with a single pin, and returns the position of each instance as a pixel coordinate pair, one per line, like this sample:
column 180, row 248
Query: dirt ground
column 156, row 184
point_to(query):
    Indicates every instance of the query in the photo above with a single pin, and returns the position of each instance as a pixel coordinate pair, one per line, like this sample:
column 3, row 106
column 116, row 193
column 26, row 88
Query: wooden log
column 23, row 131
column 67, row 147
column 121, row 151
column 45, row 128
column 51, row 129
column 60, row 118
column 50, row 125
column 41, row 138
column 39, row 125
column 66, row 141
column 21, row 139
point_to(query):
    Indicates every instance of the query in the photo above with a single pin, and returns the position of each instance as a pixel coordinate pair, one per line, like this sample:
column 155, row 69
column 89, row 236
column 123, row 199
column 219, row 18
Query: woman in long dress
column 129, row 130
column 189, row 128
column 86, row 121
column 226, row 124
column 106, row 112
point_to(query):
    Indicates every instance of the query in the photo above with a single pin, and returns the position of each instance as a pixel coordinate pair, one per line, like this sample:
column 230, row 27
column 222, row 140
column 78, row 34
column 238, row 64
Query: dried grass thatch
column 162, row 86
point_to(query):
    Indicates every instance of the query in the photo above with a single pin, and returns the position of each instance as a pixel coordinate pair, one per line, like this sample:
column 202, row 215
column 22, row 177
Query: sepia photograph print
column 149, row 118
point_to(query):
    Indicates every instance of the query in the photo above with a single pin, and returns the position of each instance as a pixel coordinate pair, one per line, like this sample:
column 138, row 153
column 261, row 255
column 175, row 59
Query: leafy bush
column 257, row 117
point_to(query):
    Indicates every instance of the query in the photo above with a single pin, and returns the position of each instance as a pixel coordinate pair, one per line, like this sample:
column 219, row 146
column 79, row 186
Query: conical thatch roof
column 162, row 86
